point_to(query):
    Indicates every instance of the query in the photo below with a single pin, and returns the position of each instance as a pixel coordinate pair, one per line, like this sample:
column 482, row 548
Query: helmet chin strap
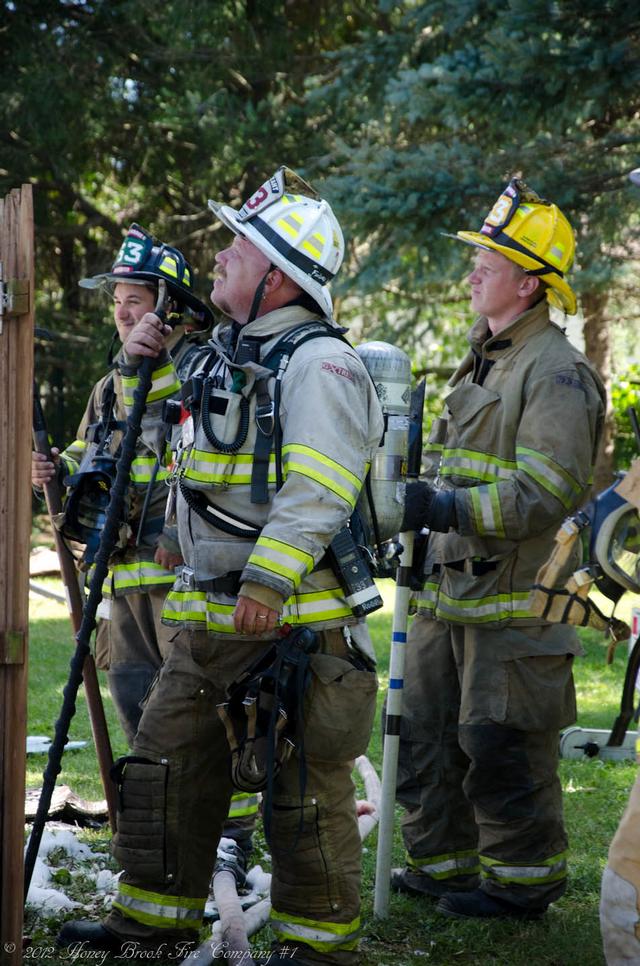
column 111, row 352
column 259, row 294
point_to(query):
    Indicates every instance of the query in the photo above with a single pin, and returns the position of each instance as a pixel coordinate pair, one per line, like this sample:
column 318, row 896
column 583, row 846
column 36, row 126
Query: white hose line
column 367, row 821
column 230, row 934
column 255, row 917
column 234, row 940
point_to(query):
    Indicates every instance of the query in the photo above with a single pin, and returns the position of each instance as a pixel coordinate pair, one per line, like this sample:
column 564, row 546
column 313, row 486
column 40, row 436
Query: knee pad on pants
column 499, row 779
column 141, row 843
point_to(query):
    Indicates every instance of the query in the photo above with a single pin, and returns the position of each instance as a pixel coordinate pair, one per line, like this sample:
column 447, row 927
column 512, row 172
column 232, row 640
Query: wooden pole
column 53, row 496
column 16, row 382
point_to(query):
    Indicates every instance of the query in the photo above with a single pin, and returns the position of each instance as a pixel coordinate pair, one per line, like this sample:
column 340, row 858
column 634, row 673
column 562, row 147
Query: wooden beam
column 16, row 382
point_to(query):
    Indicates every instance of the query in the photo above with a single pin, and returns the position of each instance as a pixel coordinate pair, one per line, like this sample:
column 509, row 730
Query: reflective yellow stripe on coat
column 243, row 804
column 164, row 383
column 232, row 469
column 310, row 462
column 475, row 465
column 282, row 559
column 195, row 609
column 140, row 575
column 495, row 607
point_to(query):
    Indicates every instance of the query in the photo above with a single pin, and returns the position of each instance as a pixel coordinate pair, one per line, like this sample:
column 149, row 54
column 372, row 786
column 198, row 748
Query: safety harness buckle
column 266, row 418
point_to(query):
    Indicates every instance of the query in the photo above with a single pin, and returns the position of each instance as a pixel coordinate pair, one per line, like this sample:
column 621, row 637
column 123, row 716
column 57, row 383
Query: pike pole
column 108, row 540
column 393, row 715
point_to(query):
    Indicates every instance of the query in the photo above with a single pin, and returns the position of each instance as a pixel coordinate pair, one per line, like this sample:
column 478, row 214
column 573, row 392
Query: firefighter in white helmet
column 283, row 422
column 489, row 683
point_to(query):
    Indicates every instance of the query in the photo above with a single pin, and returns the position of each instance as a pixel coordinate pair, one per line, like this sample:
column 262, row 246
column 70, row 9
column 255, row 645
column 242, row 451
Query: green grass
column 50, row 650
column 412, row 935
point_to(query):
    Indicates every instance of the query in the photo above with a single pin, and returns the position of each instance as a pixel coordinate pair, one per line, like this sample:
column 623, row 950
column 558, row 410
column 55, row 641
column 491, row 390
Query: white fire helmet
column 295, row 229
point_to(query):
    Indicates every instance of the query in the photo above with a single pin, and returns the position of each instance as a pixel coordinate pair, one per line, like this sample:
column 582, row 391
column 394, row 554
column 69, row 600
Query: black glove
column 427, row 507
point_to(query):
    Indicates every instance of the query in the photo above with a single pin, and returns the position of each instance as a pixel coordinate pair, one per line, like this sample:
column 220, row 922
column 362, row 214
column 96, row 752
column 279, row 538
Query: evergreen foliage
column 410, row 115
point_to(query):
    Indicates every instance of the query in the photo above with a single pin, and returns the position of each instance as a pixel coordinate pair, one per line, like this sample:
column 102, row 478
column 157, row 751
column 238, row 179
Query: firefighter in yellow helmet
column 489, row 684
column 534, row 235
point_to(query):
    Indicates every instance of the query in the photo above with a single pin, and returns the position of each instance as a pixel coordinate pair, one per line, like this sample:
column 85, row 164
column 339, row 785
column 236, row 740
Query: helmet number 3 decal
column 258, row 198
column 269, row 192
column 500, row 210
column 132, row 252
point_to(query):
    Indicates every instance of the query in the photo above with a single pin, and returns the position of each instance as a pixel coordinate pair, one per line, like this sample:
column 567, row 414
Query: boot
column 93, row 935
column 414, row 883
column 478, row 904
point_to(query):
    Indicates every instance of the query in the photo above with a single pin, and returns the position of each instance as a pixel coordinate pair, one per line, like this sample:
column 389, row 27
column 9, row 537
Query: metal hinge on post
column 14, row 296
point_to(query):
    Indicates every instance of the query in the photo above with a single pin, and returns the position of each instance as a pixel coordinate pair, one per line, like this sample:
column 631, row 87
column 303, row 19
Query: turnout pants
column 175, row 791
column 478, row 757
column 131, row 646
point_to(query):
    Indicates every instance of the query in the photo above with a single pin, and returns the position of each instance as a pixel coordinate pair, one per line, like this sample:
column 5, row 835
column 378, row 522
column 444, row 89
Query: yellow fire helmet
column 534, row 234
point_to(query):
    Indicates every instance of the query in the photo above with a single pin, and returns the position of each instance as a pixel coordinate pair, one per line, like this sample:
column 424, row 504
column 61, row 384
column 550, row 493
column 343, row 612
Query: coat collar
column 520, row 330
column 273, row 323
column 488, row 346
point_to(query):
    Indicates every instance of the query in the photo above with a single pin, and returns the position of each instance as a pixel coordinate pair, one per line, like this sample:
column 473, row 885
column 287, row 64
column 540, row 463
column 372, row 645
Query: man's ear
column 529, row 285
column 278, row 281
column 275, row 280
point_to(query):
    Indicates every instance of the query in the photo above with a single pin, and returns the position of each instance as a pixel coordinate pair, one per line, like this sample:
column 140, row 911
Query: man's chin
column 220, row 305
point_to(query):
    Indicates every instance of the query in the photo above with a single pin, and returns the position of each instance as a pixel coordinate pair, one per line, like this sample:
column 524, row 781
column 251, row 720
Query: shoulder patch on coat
column 337, row 370
column 564, row 379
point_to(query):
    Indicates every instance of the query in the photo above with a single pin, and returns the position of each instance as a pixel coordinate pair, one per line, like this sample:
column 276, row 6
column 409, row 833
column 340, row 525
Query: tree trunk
column 598, row 350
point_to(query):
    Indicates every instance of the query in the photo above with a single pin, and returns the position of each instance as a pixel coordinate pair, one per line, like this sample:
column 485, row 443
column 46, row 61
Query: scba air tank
column 390, row 371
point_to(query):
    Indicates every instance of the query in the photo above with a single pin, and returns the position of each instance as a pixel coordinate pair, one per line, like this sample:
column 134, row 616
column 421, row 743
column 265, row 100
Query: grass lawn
column 412, row 935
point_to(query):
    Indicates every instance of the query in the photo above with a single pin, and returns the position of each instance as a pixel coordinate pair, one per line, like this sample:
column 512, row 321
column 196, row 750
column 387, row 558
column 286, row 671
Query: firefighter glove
column 428, row 507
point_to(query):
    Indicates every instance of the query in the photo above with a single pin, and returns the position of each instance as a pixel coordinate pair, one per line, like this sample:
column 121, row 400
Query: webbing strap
column 265, row 420
column 277, row 359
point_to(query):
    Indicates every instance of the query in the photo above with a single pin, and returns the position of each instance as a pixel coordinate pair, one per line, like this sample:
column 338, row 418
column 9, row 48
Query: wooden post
column 16, row 384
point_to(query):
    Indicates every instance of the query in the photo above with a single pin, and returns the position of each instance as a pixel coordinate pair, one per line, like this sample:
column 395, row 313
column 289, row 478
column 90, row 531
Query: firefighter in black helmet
column 132, row 642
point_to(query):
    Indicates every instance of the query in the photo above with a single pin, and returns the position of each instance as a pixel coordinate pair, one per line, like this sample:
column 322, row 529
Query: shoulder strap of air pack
column 106, row 423
column 268, row 409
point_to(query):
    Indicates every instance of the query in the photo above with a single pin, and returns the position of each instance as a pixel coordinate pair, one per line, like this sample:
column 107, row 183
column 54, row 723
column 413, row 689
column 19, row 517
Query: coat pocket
column 540, row 694
column 339, row 709
column 469, row 401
